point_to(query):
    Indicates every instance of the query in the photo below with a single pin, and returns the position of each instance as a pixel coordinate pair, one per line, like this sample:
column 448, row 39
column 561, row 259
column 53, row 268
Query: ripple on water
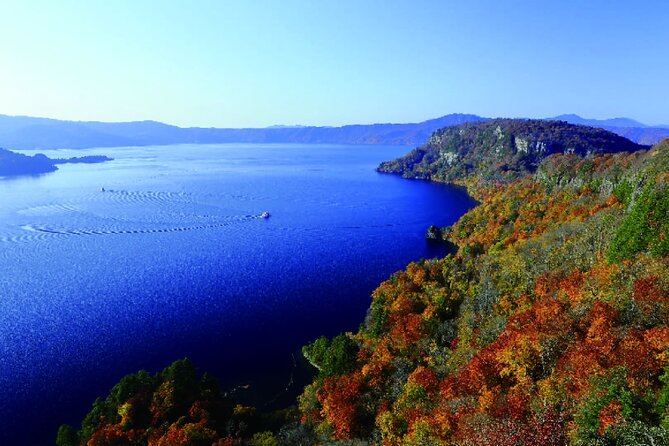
column 134, row 197
column 49, row 210
column 121, row 212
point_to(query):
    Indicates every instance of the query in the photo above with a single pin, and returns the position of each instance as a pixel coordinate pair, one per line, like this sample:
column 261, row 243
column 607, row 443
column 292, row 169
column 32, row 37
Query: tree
column 335, row 357
column 67, row 436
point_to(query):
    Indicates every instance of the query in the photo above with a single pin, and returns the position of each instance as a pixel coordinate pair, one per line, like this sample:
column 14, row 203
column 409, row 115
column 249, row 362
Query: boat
column 265, row 214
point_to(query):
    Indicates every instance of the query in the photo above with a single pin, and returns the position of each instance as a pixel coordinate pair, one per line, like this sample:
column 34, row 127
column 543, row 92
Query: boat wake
column 121, row 212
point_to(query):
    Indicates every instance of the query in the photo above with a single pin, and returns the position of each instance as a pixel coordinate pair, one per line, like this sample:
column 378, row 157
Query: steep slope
column 501, row 149
column 549, row 326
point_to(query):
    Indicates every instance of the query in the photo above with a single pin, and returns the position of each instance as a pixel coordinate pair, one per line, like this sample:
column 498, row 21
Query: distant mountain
column 502, row 149
column 646, row 135
column 614, row 122
column 629, row 128
column 20, row 132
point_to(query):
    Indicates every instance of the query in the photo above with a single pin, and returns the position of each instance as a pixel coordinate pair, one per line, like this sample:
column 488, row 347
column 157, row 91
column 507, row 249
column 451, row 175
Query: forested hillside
column 548, row 326
column 501, row 149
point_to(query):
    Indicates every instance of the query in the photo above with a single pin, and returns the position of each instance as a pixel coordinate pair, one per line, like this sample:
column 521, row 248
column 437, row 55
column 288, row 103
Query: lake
column 172, row 260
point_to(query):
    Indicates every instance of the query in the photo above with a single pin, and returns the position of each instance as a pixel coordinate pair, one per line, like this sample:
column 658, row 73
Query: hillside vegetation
column 549, row 326
column 501, row 149
column 175, row 407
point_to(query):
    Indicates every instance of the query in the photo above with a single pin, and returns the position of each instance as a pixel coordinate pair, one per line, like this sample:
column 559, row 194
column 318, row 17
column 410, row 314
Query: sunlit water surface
column 172, row 260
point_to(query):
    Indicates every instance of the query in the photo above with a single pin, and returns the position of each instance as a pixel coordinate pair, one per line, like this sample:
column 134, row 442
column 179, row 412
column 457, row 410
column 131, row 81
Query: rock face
column 433, row 233
column 502, row 149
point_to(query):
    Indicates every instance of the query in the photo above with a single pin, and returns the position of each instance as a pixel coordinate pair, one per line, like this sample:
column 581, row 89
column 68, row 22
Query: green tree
column 645, row 228
column 264, row 439
column 66, row 436
column 335, row 357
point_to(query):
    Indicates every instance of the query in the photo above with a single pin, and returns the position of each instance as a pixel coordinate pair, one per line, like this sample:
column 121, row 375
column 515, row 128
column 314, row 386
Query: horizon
column 297, row 125
column 256, row 65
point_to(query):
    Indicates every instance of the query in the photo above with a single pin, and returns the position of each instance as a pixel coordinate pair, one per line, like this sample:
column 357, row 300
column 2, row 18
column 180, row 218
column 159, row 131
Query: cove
column 172, row 260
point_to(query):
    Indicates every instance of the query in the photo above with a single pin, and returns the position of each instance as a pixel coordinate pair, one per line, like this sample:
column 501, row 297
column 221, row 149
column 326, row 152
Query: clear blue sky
column 320, row 62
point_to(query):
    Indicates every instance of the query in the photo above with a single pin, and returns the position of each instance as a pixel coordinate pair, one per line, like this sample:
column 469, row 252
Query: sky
column 253, row 63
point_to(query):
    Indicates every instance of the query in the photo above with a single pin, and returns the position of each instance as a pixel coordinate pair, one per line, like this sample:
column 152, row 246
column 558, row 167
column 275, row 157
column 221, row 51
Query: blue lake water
column 172, row 261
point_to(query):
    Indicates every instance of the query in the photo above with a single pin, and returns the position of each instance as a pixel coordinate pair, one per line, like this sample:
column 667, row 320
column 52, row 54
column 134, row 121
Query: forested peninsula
column 16, row 164
column 548, row 326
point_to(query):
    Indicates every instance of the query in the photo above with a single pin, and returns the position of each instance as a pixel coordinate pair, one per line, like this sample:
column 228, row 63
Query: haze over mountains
column 21, row 132
column 629, row 128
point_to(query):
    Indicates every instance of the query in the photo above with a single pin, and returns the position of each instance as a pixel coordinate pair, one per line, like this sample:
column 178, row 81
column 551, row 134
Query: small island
column 89, row 159
column 16, row 164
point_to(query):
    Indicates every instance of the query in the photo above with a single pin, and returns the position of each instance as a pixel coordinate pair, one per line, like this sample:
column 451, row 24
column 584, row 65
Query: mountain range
column 629, row 128
column 22, row 132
